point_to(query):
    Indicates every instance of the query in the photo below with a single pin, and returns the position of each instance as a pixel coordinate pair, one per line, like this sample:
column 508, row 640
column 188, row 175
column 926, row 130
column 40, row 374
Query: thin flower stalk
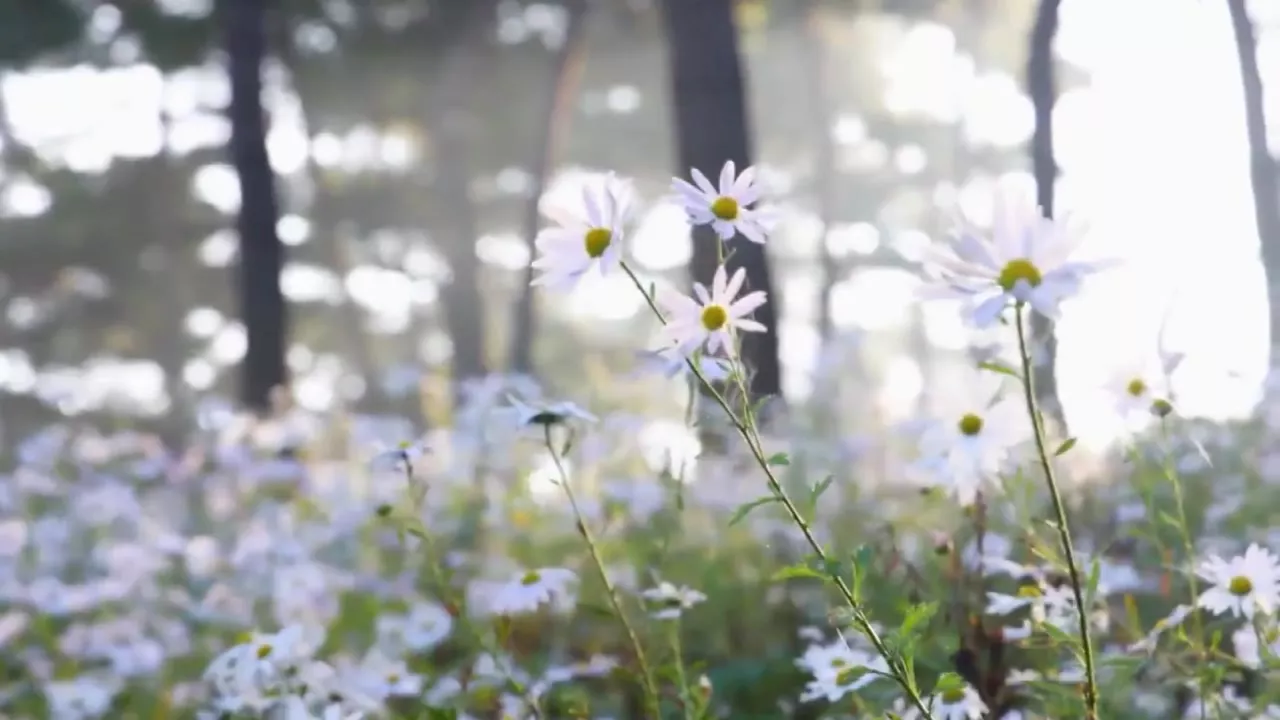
column 748, row 433
column 1060, row 514
column 652, row 703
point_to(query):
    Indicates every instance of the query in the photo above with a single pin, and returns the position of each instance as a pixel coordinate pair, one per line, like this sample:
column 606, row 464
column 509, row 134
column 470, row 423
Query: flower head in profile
column 590, row 236
column 1026, row 258
column 547, row 413
column 1243, row 586
column 711, row 316
column 725, row 208
column 671, row 601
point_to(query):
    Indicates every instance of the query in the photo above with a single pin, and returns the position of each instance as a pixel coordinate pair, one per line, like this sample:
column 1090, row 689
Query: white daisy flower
column 713, row 316
column 671, row 601
column 724, row 208
column 1025, row 259
column 580, row 241
column 966, row 454
column 1139, row 388
column 1244, row 585
column 838, row 670
column 528, row 591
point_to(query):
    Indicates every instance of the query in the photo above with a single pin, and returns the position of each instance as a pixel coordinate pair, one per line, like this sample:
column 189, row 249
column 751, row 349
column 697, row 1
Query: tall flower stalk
column 1059, row 511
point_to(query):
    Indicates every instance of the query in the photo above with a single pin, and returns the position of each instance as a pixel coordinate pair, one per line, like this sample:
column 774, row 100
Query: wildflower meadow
column 535, row 559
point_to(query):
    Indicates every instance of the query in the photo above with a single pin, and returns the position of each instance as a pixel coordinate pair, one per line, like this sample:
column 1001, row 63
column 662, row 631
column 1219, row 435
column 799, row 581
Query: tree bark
column 262, row 304
column 1262, row 166
column 565, row 77
column 710, row 112
column 1042, row 87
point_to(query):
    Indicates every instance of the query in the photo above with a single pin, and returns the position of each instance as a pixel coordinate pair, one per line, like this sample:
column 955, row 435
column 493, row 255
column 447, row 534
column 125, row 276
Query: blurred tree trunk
column 710, row 111
column 1042, row 87
column 452, row 124
column 566, row 74
column 824, row 158
column 262, row 304
column 1262, row 167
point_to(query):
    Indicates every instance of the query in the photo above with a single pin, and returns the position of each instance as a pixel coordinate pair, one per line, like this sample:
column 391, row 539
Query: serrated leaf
column 792, row 572
column 918, row 615
column 1065, row 447
column 746, row 508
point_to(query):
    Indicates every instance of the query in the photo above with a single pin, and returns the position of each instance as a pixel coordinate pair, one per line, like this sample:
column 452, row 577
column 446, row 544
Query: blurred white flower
column 1026, row 258
column 1242, row 586
column 966, row 454
column 527, row 591
column 671, row 601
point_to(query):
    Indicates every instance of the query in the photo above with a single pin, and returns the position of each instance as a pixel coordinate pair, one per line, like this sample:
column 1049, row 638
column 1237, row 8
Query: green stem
column 1060, row 513
column 646, row 671
column 686, row 693
column 860, row 620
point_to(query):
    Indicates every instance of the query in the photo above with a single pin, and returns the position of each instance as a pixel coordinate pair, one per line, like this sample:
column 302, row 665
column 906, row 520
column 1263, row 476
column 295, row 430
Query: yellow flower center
column 970, row 425
column 953, row 696
column 1240, row 586
column 714, row 317
column 725, row 208
column 597, row 241
column 264, row 650
column 838, row 662
column 1030, row 590
column 530, row 578
column 1161, row 407
column 1136, row 387
column 1019, row 269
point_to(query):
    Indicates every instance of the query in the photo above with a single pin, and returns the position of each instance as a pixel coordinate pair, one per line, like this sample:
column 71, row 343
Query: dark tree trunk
column 451, row 121
column 566, row 73
column 1262, row 167
column 710, row 111
column 262, row 305
column 1042, row 87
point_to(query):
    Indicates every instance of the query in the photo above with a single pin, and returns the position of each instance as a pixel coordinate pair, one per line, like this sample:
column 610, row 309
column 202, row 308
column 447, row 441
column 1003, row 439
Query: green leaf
column 1065, row 447
column 1095, row 573
column 918, row 615
column 442, row 713
column 816, row 492
column 1000, row 368
column 745, row 509
column 948, row 682
column 792, row 572
column 779, row 459
column 851, row 675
